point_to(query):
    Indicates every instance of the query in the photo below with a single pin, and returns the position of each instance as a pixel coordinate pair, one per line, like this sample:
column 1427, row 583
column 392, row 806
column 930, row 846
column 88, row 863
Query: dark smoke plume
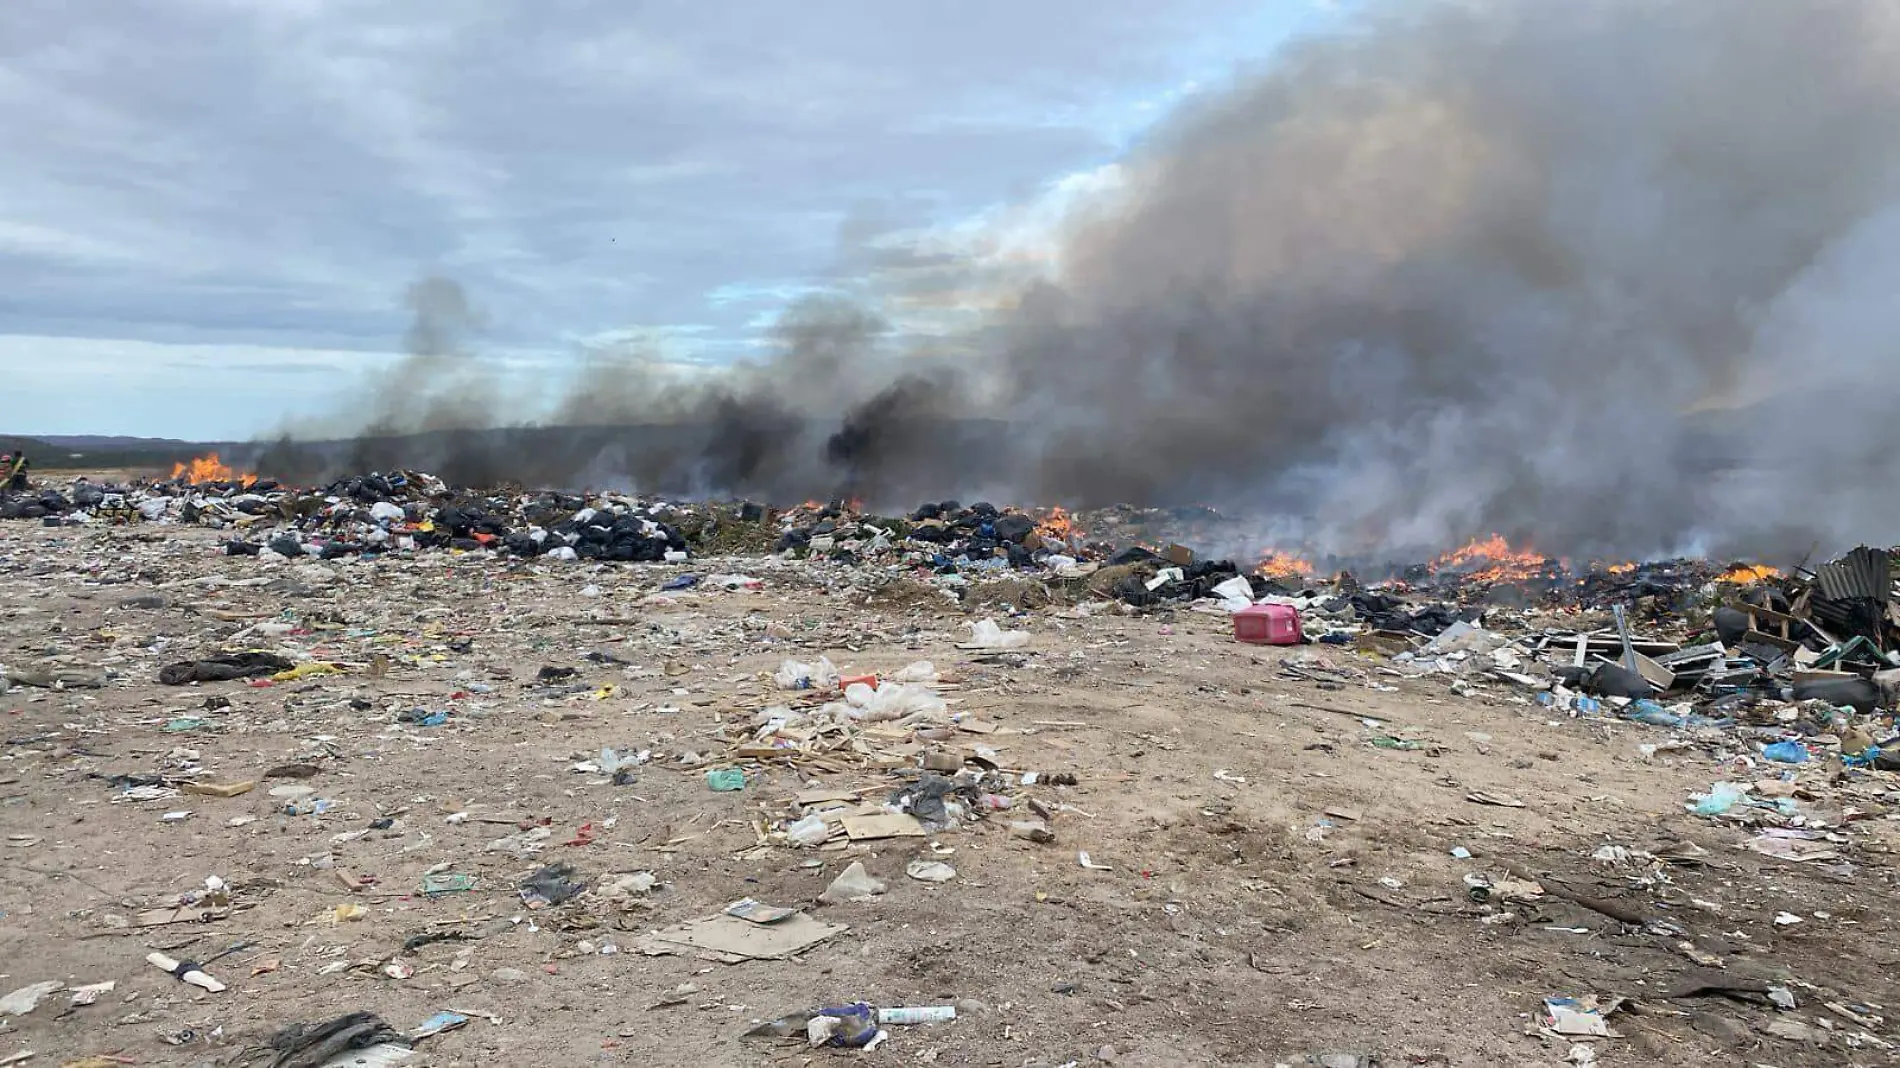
column 1609, row 276
column 1468, row 268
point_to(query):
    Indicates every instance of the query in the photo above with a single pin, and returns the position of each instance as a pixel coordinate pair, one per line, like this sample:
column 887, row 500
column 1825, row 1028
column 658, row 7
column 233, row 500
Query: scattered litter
column 215, row 789
column 852, row 884
column 551, row 885
column 882, row 825
column 27, row 998
column 985, row 634
column 1571, row 1016
column 356, row 1039
column 186, row 971
column 447, row 882
column 732, row 940
column 1786, row 753
column 725, row 779
column 930, row 871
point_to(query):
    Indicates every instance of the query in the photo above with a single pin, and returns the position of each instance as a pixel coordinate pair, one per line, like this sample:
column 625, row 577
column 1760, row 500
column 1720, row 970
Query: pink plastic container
column 1268, row 624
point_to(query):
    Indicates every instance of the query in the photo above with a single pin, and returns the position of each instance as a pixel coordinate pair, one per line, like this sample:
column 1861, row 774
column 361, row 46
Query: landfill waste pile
column 390, row 772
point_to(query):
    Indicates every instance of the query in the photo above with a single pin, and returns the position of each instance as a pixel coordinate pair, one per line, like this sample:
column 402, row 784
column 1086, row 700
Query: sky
column 210, row 209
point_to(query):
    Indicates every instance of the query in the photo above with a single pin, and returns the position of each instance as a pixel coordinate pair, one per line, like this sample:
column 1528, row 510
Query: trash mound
column 1797, row 667
column 1004, row 558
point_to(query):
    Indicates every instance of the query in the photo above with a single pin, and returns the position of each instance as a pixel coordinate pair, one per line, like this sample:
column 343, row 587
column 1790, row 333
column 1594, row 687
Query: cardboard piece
column 181, row 914
column 732, row 940
column 218, row 789
column 883, row 825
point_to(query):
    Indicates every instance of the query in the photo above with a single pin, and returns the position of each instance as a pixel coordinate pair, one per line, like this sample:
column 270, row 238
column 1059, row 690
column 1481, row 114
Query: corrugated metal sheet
column 1861, row 575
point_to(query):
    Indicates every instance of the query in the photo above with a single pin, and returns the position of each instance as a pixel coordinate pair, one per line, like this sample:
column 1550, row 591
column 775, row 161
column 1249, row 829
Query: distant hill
column 65, row 452
column 111, row 441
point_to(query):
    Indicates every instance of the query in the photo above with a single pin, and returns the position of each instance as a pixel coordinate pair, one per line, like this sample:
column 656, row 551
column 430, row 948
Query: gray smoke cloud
column 1466, row 267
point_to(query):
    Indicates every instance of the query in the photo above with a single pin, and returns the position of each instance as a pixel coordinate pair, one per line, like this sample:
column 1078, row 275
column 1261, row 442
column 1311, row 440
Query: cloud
column 265, row 172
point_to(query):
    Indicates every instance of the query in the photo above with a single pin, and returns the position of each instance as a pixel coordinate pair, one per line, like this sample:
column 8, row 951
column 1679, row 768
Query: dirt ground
column 1237, row 923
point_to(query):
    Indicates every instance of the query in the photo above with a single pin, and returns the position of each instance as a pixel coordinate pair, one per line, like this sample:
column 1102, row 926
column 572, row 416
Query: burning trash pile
column 408, row 511
column 1805, row 664
column 1719, row 642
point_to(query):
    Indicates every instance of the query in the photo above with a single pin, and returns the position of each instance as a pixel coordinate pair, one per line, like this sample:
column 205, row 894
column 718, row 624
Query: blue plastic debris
column 1720, row 798
column 1786, row 753
column 857, row 1025
column 435, row 1025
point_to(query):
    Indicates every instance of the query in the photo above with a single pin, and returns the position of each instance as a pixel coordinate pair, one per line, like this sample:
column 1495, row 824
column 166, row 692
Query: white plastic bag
column 797, row 675
column 810, row 831
column 987, row 635
column 921, row 671
column 894, row 700
column 1235, row 594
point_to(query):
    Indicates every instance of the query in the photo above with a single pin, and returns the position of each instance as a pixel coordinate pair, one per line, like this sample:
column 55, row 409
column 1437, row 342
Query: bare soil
column 1239, row 923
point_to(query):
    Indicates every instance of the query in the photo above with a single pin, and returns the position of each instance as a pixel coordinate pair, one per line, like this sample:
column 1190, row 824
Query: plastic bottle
column 810, row 831
column 920, row 1014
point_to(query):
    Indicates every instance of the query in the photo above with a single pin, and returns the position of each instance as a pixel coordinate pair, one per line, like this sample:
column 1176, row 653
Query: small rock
column 972, row 1007
column 508, row 975
column 1108, row 1055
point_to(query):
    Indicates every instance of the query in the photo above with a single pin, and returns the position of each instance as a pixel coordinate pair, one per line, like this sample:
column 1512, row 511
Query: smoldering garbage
column 1739, row 656
column 409, row 512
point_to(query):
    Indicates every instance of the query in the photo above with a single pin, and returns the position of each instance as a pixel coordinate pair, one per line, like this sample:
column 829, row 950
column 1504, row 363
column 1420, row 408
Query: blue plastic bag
column 1786, row 753
column 1720, row 798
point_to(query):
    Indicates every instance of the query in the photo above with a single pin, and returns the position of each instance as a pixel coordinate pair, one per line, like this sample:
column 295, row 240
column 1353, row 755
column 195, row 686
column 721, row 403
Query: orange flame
column 208, row 468
column 1056, row 525
column 1501, row 562
column 1748, row 574
column 1621, row 569
column 1277, row 564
